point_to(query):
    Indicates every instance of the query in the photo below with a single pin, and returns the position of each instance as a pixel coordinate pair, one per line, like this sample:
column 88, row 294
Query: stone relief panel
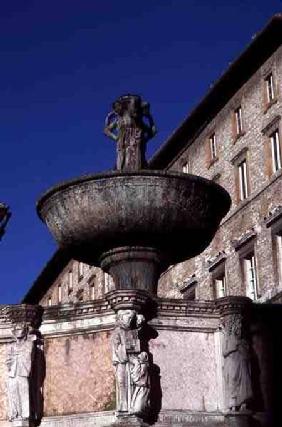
column 79, row 374
column 184, row 387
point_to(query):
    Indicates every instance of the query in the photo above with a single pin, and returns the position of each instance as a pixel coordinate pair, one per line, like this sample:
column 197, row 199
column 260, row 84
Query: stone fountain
column 133, row 222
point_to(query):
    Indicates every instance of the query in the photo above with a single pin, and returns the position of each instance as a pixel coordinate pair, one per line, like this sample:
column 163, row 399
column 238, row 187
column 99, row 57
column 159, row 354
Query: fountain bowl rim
column 116, row 174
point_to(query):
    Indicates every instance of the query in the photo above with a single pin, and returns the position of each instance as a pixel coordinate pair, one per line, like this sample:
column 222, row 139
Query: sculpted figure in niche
column 131, row 125
column 237, row 365
column 19, row 362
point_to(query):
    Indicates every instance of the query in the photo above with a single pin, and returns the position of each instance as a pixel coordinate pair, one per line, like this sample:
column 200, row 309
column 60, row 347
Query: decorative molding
column 215, row 261
column 24, row 313
column 233, row 304
column 239, row 155
column 77, row 310
column 175, row 307
column 273, row 215
column 128, row 299
column 244, row 239
column 271, row 126
column 187, row 284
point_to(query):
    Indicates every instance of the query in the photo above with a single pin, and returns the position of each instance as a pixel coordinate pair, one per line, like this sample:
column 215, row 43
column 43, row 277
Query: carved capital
column 132, row 299
column 31, row 315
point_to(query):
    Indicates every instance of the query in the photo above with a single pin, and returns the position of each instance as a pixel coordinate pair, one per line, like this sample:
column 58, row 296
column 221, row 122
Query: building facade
column 240, row 148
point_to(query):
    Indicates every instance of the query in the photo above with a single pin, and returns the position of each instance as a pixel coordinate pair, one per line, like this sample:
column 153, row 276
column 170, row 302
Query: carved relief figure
column 131, row 125
column 122, row 342
column 140, row 380
column 19, row 362
column 237, row 365
column 131, row 365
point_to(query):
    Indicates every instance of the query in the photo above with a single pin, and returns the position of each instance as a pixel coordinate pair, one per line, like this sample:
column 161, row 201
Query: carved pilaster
column 25, row 365
column 236, row 350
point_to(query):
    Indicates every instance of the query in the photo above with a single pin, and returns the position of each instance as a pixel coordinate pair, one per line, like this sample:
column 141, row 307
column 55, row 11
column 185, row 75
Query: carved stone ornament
column 25, row 366
column 131, row 125
column 128, row 299
column 237, row 364
column 131, row 365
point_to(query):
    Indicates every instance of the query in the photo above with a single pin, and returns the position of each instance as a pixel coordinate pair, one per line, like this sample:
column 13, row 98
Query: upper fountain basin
column 175, row 213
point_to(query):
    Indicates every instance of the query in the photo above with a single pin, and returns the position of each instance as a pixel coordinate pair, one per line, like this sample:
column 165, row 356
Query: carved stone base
column 238, row 419
column 128, row 421
column 21, row 423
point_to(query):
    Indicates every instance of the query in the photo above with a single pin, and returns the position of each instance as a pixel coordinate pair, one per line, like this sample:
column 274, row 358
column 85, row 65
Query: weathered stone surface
column 264, row 188
column 3, row 377
column 79, row 374
column 175, row 213
column 181, row 385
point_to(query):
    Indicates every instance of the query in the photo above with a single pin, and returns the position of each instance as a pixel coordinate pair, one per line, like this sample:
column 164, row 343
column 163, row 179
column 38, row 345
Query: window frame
column 238, row 120
column 275, row 146
column 60, row 293
column 213, row 147
column 250, row 274
column 186, row 167
column 270, row 88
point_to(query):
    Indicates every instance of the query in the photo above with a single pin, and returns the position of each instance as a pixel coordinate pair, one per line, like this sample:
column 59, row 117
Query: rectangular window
column 275, row 151
column 80, row 270
column 185, row 167
column 91, row 282
column 70, row 282
column 49, row 301
column 92, row 291
column 238, row 121
column 213, row 148
column 243, row 180
column 59, row 294
column 269, row 86
column 250, row 274
column 220, row 287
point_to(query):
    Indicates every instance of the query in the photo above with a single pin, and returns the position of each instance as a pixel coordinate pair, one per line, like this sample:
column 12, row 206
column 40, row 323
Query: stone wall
column 265, row 188
column 188, row 370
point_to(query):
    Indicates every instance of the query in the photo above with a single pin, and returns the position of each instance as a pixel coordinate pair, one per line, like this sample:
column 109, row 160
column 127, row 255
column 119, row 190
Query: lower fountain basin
column 175, row 213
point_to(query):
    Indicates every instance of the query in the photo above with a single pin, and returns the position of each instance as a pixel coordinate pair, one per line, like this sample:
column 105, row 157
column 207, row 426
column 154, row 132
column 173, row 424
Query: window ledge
column 244, row 239
column 269, row 105
column 239, row 136
column 273, row 216
column 214, row 160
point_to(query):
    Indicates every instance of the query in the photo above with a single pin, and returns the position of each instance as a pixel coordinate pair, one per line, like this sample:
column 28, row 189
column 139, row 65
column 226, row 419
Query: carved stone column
column 237, row 357
column 25, row 364
column 129, row 355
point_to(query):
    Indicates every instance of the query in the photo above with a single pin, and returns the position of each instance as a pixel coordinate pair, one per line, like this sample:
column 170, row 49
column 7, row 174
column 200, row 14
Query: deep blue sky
column 62, row 64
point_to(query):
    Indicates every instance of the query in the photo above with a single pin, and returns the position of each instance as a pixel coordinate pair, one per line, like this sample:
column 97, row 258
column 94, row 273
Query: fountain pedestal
column 133, row 267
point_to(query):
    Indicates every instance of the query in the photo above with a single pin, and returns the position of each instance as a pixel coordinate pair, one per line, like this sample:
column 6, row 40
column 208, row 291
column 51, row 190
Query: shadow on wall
column 266, row 338
column 148, row 333
column 37, row 377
